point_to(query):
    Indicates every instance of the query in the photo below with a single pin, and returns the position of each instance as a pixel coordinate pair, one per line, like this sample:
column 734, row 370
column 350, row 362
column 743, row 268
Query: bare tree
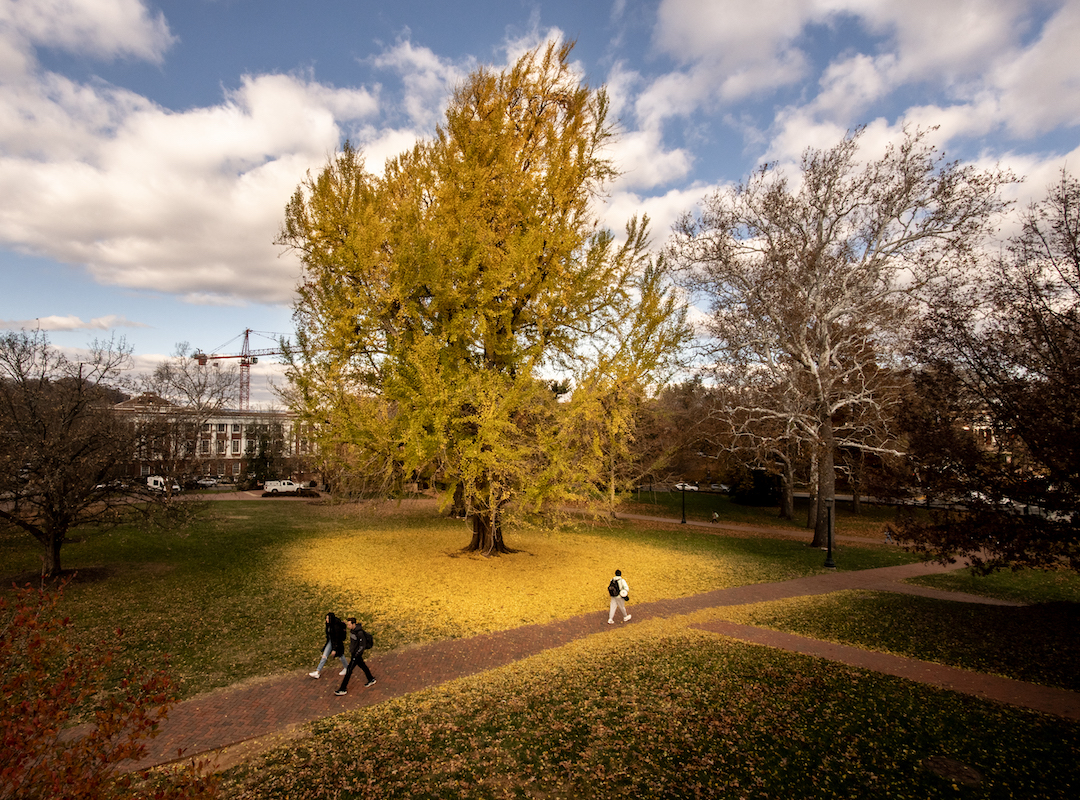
column 762, row 426
column 812, row 286
column 61, row 441
column 169, row 432
column 1008, row 350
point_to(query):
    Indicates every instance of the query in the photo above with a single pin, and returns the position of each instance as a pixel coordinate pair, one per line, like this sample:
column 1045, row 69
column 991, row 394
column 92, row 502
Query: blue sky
column 147, row 149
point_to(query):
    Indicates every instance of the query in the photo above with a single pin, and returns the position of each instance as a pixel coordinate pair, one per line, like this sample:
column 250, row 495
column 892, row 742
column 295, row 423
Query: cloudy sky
column 148, row 147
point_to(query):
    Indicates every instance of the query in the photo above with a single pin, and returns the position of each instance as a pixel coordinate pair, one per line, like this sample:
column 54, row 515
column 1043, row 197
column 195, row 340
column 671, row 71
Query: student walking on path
column 335, row 644
column 358, row 642
column 619, row 591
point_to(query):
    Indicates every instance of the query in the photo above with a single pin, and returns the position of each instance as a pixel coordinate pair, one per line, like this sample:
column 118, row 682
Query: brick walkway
column 263, row 707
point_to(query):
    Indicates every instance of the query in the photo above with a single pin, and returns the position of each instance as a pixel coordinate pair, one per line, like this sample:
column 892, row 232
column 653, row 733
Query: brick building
column 187, row 444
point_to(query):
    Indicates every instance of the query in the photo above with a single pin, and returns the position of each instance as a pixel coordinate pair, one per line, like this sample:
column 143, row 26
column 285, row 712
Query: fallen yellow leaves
column 412, row 576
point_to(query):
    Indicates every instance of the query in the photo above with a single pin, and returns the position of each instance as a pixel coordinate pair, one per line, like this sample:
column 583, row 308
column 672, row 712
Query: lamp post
column 829, row 532
column 683, row 485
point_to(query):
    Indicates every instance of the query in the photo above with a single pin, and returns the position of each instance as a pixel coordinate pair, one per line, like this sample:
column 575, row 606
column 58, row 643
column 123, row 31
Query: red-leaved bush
column 45, row 681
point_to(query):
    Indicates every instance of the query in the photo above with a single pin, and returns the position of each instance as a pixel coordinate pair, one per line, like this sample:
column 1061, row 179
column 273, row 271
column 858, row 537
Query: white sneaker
column 626, row 618
column 313, row 674
column 342, row 673
column 611, row 622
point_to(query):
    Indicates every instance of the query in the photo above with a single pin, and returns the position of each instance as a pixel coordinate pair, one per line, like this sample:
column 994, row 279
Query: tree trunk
column 787, row 491
column 487, row 538
column 457, row 509
column 611, row 483
column 856, row 483
column 826, row 484
column 51, row 566
column 812, row 486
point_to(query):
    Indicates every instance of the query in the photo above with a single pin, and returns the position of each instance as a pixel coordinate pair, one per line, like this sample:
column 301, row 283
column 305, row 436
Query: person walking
column 357, row 645
column 619, row 591
column 335, row 644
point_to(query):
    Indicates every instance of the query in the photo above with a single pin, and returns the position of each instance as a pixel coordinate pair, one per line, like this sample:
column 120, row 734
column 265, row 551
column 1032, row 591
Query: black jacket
column 356, row 640
column 335, row 634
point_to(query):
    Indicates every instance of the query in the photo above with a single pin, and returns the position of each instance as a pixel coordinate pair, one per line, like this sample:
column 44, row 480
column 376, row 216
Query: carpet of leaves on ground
column 661, row 711
column 1038, row 643
column 406, row 577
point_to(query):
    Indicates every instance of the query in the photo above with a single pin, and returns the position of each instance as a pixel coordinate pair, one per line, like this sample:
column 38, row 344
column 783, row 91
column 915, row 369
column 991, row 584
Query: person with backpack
column 619, row 592
column 335, row 644
column 359, row 641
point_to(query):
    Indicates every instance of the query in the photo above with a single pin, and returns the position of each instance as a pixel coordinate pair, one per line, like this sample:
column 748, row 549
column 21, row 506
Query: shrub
column 46, row 685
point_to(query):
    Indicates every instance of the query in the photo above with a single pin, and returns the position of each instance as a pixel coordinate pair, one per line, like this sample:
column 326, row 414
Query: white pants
column 619, row 603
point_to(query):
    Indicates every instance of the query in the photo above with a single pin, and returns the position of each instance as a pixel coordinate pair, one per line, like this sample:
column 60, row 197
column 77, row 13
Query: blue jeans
column 326, row 654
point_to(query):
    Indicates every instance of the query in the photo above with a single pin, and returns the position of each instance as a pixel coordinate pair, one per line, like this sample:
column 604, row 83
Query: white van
column 280, row 486
column 156, row 483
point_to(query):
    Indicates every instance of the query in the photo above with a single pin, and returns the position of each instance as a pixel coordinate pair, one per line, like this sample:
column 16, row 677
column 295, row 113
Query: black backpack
column 613, row 587
column 369, row 640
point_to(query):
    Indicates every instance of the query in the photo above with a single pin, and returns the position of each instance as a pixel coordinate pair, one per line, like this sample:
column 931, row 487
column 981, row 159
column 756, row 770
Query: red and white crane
column 247, row 357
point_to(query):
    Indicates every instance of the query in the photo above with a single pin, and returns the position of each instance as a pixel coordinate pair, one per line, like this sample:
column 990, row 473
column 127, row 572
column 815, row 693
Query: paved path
column 263, row 707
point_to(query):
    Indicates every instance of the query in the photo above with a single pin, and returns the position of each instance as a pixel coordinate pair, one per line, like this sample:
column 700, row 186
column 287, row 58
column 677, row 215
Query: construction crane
column 247, row 357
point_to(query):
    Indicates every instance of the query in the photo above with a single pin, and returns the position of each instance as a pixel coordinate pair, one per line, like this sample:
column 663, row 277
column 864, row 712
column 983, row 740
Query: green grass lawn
column 1036, row 643
column 701, row 505
column 1025, row 586
column 657, row 709
column 663, row 711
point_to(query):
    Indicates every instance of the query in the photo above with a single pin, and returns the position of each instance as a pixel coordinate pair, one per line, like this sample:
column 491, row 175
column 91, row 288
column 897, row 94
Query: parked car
column 685, row 487
column 283, row 487
column 207, row 482
column 156, row 483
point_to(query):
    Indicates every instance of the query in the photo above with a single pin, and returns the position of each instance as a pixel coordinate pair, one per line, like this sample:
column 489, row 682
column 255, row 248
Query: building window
column 235, row 446
column 205, row 446
column 236, row 468
column 221, row 427
column 236, row 427
column 221, row 446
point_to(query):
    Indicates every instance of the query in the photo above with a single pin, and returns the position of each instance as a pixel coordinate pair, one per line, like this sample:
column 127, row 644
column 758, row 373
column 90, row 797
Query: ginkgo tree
column 459, row 310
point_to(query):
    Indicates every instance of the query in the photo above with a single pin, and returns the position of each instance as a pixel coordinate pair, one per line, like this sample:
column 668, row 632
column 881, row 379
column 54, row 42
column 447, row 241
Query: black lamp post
column 683, row 484
column 829, row 533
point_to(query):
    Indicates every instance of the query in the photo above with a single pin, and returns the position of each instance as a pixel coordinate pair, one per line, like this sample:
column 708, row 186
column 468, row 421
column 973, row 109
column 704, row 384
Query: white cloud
column 735, row 34
column 971, row 52
column 850, row 85
column 429, row 81
column 643, row 162
column 183, row 202
column 735, row 48
column 102, row 28
column 662, row 210
column 1041, row 88
column 944, row 41
column 71, row 323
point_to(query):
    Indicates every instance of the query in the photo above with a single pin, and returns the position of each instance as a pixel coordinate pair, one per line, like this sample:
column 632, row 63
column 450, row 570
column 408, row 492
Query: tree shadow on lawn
column 83, row 575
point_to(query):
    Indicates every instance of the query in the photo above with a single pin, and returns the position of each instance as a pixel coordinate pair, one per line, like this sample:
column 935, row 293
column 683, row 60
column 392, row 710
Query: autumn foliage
column 47, row 685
